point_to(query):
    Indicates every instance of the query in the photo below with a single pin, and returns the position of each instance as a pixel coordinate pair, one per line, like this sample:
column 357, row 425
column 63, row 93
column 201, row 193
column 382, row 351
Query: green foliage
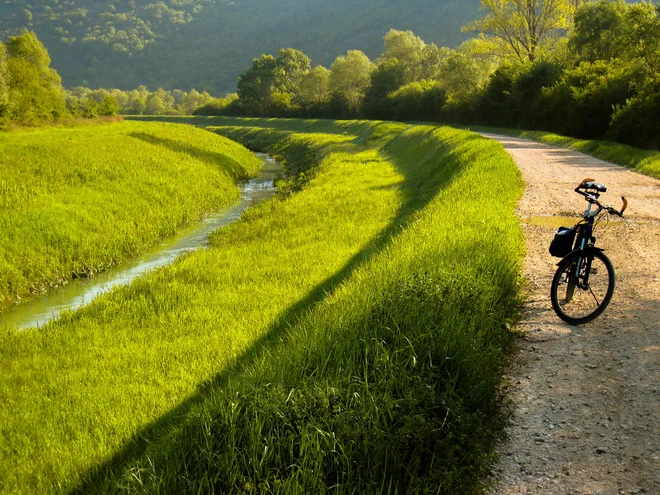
column 267, row 87
column 606, row 30
column 387, row 78
column 207, row 44
column 527, row 92
column 350, row 76
column 417, row 60
column 312, row 95
column 418, row 101
column 219, row 106
column 109, row 106
column 527, row 27
column 35, row 91
column 75, row 201
column 139, row 101
column 636, row 122
column 347, row 338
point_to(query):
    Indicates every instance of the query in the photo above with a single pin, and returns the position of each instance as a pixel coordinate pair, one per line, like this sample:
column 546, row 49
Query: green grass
column 345, row 337
column 75, row 201
column 640, row 160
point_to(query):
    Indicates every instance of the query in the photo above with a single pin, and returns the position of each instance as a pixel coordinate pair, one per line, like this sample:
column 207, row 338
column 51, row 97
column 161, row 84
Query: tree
column 28, row 47
column 268, row 87
column 388, row 76
column 109, row 106
column 418, row 61
column 350, row 77
column 35, row 90
column 313, row 92
column 4, row 79
column 527, row 27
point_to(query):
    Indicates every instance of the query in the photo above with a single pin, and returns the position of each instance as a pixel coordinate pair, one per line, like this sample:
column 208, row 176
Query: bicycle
column 584, row 282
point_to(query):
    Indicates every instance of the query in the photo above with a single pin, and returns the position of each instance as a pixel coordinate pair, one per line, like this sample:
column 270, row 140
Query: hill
column 206, row 44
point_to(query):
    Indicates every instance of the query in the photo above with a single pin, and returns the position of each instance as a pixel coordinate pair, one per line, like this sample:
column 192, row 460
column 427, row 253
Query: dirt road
column 586, row 400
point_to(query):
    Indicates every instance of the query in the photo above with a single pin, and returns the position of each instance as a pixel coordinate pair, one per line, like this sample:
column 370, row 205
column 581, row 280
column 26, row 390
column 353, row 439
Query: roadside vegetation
column 75, row 201
column 640, row 160
column 346, row 336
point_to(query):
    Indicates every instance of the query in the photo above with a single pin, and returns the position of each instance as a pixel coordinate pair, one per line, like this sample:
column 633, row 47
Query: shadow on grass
column 421, row 183
column 235, row 170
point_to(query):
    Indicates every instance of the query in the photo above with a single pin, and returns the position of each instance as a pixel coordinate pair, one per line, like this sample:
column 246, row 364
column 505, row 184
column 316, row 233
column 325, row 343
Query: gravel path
column 585, row 400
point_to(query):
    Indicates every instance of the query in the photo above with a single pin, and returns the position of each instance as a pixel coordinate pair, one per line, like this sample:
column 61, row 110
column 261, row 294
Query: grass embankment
column 347, row 338
column 643, row 161
column 75, row 201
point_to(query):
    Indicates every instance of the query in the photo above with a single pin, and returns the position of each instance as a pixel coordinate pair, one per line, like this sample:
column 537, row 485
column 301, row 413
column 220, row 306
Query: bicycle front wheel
column 582, row 286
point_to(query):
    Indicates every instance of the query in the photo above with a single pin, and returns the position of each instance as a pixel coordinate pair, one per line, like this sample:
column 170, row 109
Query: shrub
column 417, row 101
column 636, row 122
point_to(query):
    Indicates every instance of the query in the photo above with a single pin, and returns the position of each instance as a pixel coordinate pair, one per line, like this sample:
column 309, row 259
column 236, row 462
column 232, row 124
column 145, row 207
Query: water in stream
column 78, row 293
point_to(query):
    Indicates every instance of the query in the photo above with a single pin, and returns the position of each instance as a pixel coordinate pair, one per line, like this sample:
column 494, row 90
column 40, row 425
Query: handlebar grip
column 625, row 205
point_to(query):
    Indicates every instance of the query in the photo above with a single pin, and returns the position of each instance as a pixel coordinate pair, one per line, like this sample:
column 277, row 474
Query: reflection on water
column 78, row 293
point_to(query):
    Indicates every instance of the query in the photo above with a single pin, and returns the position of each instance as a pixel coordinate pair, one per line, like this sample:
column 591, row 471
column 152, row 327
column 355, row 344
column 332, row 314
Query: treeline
column 584, row 69
column 140, row 101
column 31, row 90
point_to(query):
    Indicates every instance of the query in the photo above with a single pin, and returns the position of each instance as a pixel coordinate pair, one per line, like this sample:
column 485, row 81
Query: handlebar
column 592, row 192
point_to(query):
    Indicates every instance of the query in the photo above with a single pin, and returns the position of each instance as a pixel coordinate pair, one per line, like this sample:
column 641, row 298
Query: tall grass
column 75, row 201
column 640, row 160
column 344, row 338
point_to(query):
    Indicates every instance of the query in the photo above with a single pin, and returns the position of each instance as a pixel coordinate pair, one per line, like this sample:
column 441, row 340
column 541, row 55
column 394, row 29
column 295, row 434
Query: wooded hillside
column 206, row 44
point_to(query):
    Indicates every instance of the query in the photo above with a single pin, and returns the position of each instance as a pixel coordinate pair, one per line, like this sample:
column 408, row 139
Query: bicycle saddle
column 591, row 184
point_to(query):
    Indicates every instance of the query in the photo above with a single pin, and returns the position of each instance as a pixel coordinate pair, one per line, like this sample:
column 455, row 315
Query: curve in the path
column 586, row 400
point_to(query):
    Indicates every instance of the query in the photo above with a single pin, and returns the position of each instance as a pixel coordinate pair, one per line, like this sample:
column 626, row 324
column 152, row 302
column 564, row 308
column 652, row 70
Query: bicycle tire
column 582, row 304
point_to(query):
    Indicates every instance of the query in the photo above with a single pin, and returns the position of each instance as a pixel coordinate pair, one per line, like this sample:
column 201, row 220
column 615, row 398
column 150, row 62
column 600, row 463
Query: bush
column 582, row 102
column 496, row 105
column 220, row 106
column 636, row 122
column 417, row 101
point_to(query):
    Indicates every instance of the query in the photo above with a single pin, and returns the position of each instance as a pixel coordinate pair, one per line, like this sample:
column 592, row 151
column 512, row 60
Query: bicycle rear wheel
column 583, row 286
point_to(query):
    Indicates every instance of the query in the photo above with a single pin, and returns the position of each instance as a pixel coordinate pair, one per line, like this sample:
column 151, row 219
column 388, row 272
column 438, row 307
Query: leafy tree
column 465, row 72
column 109, row 106
column 422, row 100
column 35, row 90
column 597, row 32
column 159, row 103
column 388, row 76
column 268, row 87
column 497, row 105
column 349, row 79
column 527, row 27
column 313, row 92
column 606, row 30
column 417, row 60
column 255, row 85
column 27, row 46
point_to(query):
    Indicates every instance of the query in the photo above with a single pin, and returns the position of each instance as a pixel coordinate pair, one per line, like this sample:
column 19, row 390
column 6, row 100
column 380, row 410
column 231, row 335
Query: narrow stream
column 78, row 293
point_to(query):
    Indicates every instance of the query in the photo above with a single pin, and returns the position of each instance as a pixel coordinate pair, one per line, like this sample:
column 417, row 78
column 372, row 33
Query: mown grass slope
column 345, row 337
column 75, row 201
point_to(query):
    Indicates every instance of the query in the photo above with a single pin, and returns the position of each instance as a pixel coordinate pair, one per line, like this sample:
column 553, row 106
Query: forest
column 588, row 70
column 204, row 44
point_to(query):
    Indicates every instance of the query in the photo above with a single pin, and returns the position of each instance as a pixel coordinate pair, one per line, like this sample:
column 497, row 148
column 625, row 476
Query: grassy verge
column 643, row 161
column 75, row 201
column 345, row 338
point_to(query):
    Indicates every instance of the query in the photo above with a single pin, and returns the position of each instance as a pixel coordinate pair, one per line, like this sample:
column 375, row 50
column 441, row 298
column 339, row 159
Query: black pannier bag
column 562, row 244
